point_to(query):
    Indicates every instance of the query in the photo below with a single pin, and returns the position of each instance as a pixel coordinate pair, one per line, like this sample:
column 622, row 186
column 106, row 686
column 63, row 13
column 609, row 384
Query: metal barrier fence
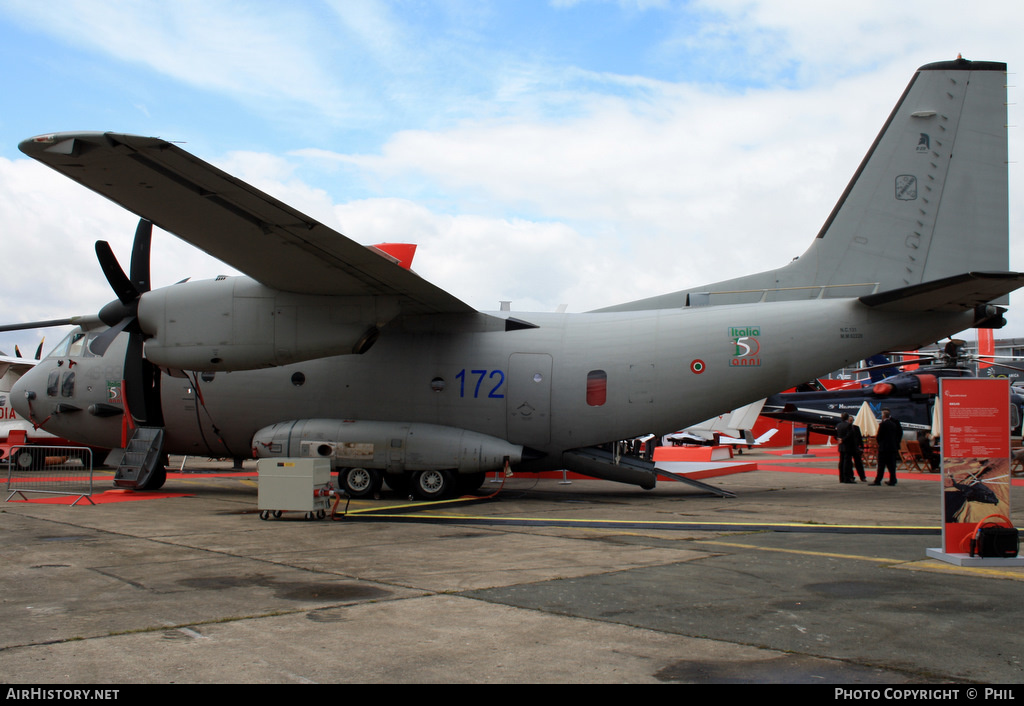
column 57, row 470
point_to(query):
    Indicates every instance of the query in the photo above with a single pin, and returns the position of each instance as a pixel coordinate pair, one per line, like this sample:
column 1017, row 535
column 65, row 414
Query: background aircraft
column 908, row 394
column 733, row 428
column 326, row 348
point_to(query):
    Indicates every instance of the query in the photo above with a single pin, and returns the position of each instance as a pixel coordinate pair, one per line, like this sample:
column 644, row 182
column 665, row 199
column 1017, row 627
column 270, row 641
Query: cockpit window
column 61, row 349
column 75, row 345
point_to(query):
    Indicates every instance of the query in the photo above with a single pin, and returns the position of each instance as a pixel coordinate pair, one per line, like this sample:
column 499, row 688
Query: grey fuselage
column 575, row 380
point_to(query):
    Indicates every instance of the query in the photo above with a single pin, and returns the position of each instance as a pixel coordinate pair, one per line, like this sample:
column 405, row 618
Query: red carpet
column 113, row 495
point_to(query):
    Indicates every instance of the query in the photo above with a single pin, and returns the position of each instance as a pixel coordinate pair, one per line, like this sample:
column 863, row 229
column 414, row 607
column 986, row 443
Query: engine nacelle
column 394, row 447
column 235, row 323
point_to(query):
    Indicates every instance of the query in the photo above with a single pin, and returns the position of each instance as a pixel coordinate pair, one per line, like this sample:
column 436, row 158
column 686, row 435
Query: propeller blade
column 118, row 280
column 141, row 378
column 39, row 349
column 100, row 344
column 140, row 255
column 142, row 385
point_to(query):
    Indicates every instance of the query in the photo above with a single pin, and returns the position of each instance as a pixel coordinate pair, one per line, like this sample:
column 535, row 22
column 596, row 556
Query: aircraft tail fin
column 929, row 200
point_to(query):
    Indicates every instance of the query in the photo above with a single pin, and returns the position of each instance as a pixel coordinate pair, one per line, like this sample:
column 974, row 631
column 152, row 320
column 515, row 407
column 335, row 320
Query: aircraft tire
column 469, row 482
column 432, row 484
column 359, row 482
column 397, row 482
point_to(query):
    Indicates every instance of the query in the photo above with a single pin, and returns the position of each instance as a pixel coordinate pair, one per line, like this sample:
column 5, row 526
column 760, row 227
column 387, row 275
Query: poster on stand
column 975, row 440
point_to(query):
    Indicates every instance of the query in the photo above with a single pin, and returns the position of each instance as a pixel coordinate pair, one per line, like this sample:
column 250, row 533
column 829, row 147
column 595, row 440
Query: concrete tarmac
column 798, row 579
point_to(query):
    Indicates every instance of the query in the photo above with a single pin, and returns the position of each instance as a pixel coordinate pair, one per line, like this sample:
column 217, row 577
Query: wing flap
column 234, row 221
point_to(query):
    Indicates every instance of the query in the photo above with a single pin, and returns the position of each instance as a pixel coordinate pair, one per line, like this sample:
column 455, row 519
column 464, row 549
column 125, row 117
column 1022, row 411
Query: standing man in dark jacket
column 850, row 442
column 854, row 454
column 842, row 430
column 890, row 435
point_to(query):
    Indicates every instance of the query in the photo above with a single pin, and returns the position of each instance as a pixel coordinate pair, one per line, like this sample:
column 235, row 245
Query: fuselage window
column 52, row 383
column 67, row 386
column 597, row 388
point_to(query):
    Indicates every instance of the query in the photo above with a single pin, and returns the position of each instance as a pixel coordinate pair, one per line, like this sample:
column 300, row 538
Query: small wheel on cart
column 321, row 514
column 277, row 514
column 265, row 515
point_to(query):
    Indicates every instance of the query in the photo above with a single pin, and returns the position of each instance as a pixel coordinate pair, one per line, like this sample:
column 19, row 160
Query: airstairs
column 141, row 466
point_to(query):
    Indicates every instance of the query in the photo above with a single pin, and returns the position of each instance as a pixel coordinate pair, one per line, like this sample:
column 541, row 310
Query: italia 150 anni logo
column 746, row 345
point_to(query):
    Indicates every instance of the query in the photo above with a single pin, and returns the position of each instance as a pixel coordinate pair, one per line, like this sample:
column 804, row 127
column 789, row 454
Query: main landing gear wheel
column 470, row 482
column 359, row 482
column 432, row 485
column 398, row 482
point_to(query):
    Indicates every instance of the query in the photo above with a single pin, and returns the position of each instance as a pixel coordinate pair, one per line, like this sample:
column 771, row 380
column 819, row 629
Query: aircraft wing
column 240, row 225
column 18, row 365
column 734, row 441
column 735, row 423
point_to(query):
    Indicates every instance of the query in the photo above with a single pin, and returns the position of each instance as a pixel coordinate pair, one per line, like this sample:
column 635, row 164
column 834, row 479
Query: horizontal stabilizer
column 951, row 294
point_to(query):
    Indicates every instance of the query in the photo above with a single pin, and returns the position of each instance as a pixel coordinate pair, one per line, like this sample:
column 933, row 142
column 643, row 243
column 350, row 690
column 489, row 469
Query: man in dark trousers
column 890, row 435
column 842, row 431
column 850, row 449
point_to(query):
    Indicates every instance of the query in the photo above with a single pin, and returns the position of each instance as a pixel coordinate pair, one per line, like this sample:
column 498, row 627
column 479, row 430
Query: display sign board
column 975, row 445
column 799, row 439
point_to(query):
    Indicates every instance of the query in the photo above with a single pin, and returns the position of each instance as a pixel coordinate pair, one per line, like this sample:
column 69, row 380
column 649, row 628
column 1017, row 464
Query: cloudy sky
column 577, row 152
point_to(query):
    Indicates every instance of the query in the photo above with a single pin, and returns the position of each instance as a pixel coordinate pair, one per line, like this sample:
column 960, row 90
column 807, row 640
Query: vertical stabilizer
column 929, row 200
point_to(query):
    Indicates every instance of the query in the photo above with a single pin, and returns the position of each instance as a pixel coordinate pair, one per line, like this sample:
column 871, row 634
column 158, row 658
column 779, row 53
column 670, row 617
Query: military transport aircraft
column 326, row 348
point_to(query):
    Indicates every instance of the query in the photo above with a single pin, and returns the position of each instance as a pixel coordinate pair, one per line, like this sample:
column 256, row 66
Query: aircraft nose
column 25, row 390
